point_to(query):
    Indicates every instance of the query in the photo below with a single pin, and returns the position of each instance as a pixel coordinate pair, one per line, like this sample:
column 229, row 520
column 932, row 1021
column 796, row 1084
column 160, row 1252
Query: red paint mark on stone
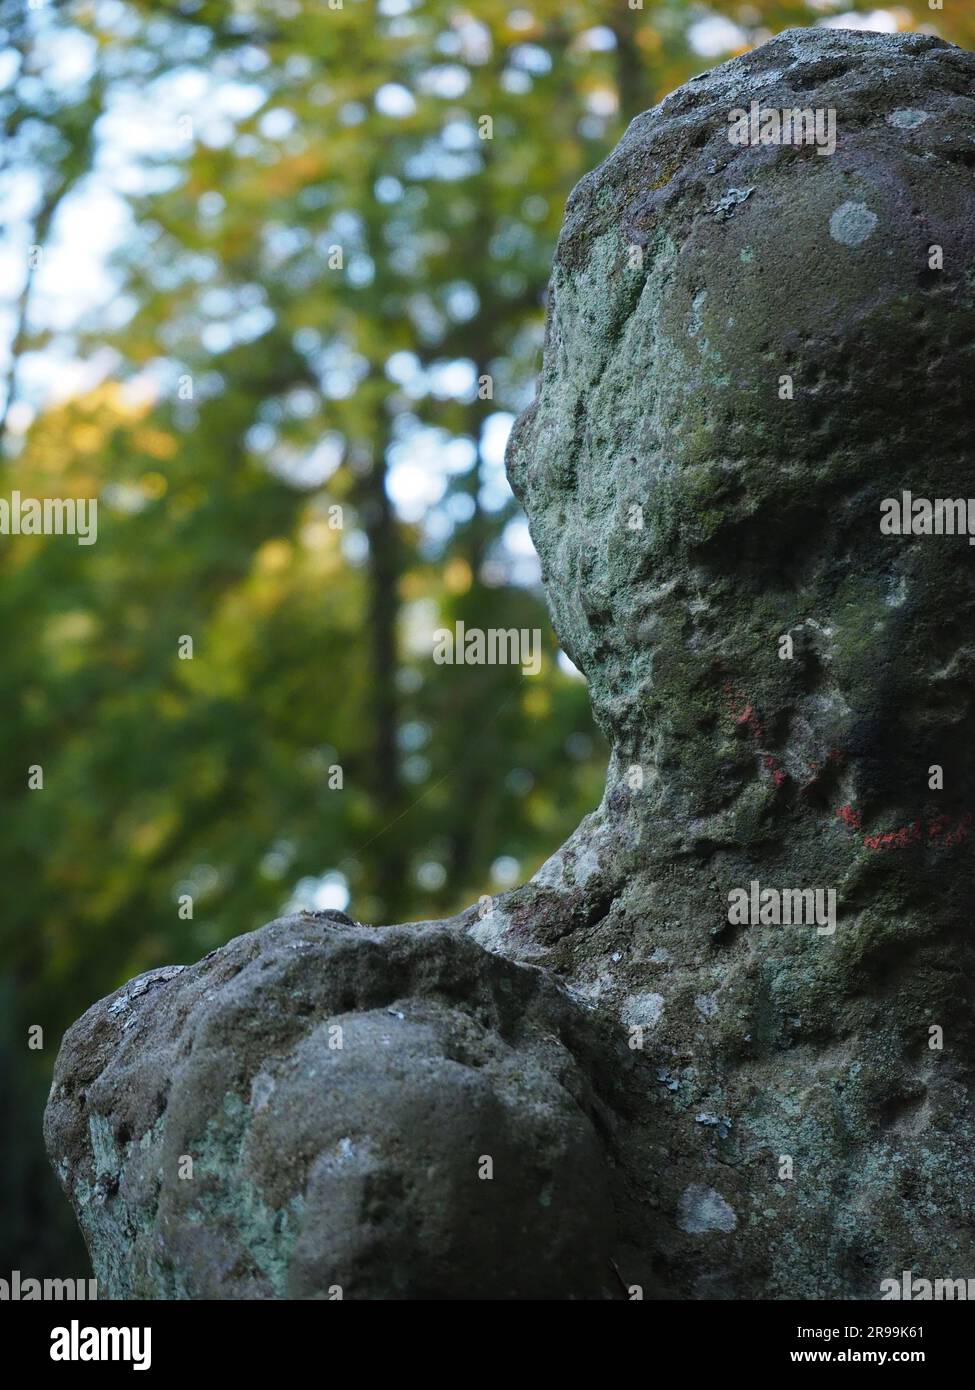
column 743, row 713
column 895, row 839
column 942, row 829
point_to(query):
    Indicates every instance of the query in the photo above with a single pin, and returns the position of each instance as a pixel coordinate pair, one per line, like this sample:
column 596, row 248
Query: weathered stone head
column 749, row 347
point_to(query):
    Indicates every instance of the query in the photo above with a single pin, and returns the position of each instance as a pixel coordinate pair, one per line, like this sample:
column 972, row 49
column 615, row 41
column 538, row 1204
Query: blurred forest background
column 256, row 264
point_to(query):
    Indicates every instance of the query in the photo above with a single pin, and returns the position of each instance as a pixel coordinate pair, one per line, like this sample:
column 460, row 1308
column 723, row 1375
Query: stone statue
column 721, row 1046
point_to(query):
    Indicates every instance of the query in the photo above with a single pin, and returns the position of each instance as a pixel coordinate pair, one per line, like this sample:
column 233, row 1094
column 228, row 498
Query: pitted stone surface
column 717, row 422
column 661, row 384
